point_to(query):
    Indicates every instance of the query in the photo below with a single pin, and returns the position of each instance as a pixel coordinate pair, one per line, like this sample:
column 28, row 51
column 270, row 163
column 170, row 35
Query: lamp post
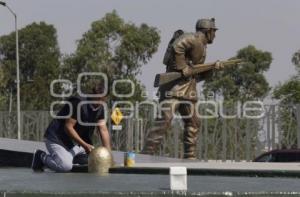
column 18, row 70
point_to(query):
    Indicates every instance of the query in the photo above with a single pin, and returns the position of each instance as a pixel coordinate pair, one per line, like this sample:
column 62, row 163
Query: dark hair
column 98, row 88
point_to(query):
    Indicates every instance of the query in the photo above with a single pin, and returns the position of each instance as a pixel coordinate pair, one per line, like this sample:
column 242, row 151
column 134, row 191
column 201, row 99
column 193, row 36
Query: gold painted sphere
column 100, row 160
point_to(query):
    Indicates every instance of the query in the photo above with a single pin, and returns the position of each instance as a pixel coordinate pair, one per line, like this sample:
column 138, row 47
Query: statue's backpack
column 169, row 54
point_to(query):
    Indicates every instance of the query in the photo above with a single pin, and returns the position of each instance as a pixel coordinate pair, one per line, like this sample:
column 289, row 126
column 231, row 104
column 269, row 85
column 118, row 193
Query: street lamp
column 18, row 69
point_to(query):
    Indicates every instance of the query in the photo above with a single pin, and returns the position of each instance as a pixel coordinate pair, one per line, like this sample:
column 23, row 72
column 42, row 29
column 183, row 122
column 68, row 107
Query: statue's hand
column 219, row 65
column 187, row 71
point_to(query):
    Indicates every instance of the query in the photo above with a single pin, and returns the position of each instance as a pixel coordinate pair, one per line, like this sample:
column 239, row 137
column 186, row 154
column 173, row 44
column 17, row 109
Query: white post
column 178, row 178
column 18, row 71
column 18, row 80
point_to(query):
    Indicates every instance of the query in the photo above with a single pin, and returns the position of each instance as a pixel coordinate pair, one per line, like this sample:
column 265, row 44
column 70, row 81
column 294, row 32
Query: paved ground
column 20, row 152
column 29, row 147
column 22, row 179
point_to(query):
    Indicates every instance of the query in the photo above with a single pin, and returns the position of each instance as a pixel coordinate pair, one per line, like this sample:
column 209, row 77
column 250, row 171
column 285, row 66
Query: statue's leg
column 191, row 128
column 161, row 125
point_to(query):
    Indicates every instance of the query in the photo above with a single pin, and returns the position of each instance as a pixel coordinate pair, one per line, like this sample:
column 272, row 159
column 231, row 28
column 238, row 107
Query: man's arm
column 181, row 47
column 69, row 128
column 104, row 134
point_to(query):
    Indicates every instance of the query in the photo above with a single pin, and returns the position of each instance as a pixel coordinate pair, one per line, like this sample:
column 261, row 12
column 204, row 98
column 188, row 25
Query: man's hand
column 88, row 148
column 187, row 71
column 69, row 128
column 219, row 65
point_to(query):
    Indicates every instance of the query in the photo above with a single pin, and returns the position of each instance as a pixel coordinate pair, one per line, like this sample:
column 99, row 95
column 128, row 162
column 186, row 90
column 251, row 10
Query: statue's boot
column 154, row 138
column 190, row 141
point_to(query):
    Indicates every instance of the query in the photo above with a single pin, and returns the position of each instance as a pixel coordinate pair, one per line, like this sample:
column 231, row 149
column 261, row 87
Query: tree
column 239, row 83
column 116, row 48
column 288, row 92
column 2, row 85
column 113, row 47
column 296, row 61
column 39, row 64
column 288, row 95
column 245, row 82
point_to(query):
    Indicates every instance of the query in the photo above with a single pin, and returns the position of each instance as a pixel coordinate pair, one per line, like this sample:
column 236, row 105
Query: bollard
column 178, row 178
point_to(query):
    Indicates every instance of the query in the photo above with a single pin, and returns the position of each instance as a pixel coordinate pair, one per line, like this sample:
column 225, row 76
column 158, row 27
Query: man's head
column 95, row 87
column 208, row 27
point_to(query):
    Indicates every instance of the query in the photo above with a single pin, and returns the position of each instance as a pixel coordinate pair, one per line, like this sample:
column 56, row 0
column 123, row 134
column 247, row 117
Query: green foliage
column 245, row 82
column 296, row 61
column 2, row 86
column 288, row 95
column 288, row 125
column 114, row 47
column 288, row 92
column 124, row 88
column 39, row 64
column 2, row 78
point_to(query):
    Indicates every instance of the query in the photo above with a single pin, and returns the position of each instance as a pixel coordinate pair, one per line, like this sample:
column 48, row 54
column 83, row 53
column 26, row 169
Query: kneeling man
column 68, row 137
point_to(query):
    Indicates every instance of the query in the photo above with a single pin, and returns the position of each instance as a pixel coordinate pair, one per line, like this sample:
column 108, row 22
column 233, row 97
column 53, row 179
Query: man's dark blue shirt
column 88, row 114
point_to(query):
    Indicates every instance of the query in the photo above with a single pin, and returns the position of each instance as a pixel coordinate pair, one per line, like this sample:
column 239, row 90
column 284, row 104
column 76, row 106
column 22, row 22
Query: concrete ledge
column 200, row 172
column 208, row 172
column 9, row 158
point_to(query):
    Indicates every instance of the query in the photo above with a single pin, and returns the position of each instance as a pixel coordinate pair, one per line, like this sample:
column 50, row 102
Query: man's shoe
column 81, row 159
column 37, row 163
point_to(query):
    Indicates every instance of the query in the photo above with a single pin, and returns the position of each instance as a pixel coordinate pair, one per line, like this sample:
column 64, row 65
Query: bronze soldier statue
column 181, row 95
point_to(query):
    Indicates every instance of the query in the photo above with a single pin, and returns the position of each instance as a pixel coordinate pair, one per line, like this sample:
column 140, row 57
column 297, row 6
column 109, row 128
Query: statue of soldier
column 186, row 50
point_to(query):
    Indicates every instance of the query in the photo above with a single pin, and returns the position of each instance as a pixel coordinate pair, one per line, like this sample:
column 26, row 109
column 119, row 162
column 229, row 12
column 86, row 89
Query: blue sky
column 271, row 25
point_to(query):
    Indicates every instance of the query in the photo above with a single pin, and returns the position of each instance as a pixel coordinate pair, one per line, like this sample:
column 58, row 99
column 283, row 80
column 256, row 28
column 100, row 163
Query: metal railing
column 219, row 139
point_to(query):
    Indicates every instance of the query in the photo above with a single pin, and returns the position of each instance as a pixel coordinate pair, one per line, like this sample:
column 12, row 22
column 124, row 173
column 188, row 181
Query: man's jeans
column 60, row 159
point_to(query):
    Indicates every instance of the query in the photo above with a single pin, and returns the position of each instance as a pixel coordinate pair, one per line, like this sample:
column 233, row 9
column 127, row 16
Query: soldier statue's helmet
column 206, row 24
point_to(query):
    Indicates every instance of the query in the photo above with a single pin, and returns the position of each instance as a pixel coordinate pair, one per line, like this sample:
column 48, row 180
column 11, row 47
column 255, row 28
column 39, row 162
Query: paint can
column 129, row 159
